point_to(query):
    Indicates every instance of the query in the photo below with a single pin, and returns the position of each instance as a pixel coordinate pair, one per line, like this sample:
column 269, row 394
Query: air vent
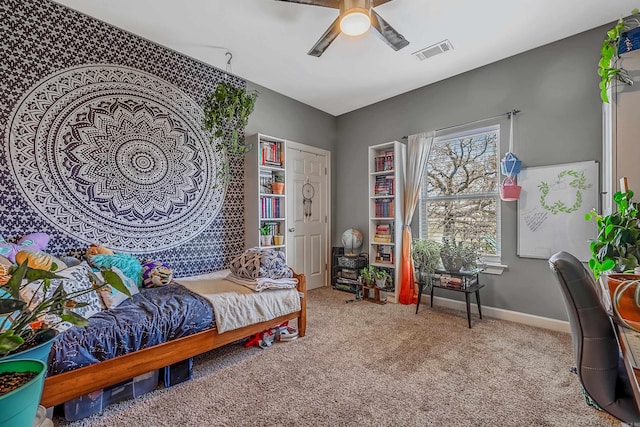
column 433, row 50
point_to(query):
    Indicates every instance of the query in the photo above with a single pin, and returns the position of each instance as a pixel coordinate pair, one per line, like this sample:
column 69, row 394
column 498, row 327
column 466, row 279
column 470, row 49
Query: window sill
column 494, row 268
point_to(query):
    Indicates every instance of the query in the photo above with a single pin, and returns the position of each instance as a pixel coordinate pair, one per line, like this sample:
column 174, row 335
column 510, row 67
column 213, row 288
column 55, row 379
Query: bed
column 69, row 382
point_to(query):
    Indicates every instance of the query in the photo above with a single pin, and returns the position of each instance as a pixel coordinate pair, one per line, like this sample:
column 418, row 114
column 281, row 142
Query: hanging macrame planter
column 510, row 167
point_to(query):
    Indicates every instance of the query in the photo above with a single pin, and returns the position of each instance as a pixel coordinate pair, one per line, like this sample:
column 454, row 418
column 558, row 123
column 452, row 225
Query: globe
column 351, row 240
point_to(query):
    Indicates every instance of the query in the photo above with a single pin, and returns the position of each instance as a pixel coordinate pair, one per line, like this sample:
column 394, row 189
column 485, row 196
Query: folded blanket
column 262, row 283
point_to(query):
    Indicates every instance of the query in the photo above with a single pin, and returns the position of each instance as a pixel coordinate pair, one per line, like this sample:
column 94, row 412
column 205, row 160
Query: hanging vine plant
column 226, row 114
column 608, row 68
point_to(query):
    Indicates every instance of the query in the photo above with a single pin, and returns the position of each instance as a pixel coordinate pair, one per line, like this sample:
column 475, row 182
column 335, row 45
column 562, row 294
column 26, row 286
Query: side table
column 467, row 282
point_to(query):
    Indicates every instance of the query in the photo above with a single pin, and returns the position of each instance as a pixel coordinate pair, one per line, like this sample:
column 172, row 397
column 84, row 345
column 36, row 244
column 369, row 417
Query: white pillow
column 111, row 297
column 75, row 279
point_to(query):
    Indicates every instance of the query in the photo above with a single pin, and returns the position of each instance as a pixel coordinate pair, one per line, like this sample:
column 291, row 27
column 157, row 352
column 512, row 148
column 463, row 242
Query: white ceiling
column 269, row 40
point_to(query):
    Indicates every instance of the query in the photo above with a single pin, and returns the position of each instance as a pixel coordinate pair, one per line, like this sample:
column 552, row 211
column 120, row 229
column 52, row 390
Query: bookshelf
column 265, row 202
column 386, row 186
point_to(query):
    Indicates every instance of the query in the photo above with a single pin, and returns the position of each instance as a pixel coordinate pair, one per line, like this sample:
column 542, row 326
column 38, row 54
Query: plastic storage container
column 178, row 372
column 95, row 402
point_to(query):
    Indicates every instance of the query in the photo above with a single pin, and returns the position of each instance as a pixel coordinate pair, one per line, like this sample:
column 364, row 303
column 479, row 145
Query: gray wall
column 555, row 86
column 282, row 117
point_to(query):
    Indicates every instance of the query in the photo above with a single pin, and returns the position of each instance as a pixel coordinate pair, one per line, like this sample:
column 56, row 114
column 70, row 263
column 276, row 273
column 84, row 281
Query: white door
column 308, row 212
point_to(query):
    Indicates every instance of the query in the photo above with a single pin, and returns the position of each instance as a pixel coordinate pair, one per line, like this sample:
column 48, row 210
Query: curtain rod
column 508, row 114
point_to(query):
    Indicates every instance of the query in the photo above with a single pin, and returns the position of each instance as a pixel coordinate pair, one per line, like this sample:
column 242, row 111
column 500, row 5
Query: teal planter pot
column 18, row 408
column 38, row 352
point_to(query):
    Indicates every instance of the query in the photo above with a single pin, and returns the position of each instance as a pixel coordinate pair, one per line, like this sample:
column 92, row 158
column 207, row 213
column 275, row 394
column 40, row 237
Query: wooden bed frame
column 69, row 385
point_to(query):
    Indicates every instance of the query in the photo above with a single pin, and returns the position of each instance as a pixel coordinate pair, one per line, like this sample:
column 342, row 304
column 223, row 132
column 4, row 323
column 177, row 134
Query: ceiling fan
column 356, row 17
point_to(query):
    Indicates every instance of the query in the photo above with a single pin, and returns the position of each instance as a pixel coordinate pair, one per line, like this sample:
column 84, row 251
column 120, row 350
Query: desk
column 458, row 281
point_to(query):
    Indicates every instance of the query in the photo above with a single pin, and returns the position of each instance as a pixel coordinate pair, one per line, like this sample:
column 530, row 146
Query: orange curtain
column 418, row 149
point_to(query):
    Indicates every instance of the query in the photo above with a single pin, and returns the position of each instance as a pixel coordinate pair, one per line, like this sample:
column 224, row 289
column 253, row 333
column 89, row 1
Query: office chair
column 598, row 360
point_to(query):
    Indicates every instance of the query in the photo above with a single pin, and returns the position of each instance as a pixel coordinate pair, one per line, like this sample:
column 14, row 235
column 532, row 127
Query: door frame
column 310, row 149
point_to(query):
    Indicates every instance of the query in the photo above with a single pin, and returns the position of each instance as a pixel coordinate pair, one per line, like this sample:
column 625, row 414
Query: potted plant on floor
column 21, row 384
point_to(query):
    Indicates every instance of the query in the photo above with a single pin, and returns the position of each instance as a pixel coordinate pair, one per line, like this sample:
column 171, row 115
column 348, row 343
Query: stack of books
column 384, row 208
column 384, row 185
column 384, row 161
column 271, row 153
column 383, row 233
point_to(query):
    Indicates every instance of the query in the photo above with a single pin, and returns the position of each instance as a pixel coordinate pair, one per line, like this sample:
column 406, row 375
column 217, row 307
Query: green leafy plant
column 367, row 274
column 265, row 230
column 21, row 326
column 278, row 178
column 456, row 256
column 226, row 114
column 616, row 245
column 607, row 67
column 426, row 258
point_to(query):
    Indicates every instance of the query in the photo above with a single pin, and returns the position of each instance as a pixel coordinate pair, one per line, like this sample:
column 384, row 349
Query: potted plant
column 21, row 329
column 426, row 259
column 278, row 239
column 381, row 278
column 450, row 254
column 265, row 235
column 616, row 251
column 616, row 246
column 367, row 275
column 277, row 185
column 226, row 114
column 21, row 384
column 608, row 68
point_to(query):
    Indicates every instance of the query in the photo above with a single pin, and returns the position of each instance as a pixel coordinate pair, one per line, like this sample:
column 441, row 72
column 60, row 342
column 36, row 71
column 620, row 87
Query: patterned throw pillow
column 74, row 279
column 40, row 260
column 33, row 242
column 257, row 262
column 156, row 273
column 5, row 269
column 126, row 263
column 111, row 297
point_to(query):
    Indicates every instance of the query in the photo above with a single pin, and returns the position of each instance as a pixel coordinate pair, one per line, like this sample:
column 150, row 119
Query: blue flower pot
column 18, row 408
column 38, row 352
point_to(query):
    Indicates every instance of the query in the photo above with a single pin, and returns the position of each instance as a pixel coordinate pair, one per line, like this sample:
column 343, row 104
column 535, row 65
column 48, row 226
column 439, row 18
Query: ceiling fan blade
column 335, row 4
column 379, row 2
column 386, row 32
column 327, row 38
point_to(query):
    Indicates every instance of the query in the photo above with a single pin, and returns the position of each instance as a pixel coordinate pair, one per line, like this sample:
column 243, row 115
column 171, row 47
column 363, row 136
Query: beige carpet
column 365, row 364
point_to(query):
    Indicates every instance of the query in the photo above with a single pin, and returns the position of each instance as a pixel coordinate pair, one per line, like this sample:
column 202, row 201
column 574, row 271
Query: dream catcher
column 307, row 195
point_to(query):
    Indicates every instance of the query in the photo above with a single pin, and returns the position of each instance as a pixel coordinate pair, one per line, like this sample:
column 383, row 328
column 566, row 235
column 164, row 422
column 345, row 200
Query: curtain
column 418, row 149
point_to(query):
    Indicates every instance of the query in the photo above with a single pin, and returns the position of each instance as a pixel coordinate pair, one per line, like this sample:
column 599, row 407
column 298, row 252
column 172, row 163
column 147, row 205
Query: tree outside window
column 459, row 197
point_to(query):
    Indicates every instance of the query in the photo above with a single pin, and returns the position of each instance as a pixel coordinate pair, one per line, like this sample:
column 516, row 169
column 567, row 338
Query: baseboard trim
column 499, row 313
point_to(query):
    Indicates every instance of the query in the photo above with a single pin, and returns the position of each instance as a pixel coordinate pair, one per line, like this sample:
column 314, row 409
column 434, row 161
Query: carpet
column 366, row 364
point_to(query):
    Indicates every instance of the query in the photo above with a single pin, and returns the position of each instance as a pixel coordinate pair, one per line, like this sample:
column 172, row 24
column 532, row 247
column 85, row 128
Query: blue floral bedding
column 153, row 316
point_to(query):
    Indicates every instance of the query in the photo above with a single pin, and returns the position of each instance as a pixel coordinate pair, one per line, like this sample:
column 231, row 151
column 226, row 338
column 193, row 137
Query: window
column 459, row 196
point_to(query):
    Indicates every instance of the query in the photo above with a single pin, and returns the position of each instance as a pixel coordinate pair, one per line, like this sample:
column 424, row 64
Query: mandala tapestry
column 103, row 143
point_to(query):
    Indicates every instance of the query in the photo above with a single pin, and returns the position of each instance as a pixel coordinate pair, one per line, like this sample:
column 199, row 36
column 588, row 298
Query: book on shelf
column 384, row 254
column 384, row 161
column 384, row 185
column 270, row 207
column 271, row 153
column 384, row 208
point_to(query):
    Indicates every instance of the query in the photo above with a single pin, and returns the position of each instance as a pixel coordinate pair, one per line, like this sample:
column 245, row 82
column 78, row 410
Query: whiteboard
column 551, row 209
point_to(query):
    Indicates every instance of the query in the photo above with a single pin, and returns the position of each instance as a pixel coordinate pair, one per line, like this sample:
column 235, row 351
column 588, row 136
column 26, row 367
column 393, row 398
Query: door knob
column 292, row 229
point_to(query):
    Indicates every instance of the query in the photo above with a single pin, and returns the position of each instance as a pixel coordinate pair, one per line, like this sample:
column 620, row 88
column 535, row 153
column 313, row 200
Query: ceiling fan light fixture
column 355, row 22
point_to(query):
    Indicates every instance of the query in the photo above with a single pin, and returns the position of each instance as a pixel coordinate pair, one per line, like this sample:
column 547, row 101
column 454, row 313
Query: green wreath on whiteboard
column 578, row 183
